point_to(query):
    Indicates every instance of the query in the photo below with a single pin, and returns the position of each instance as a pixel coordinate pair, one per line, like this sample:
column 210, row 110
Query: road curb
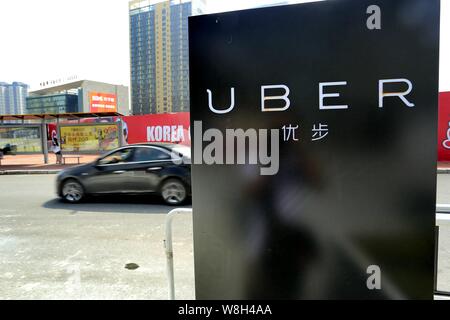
column 22, row 172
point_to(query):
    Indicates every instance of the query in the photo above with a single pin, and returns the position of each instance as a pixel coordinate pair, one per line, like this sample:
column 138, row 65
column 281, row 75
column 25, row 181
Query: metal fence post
column 169, row 249
column 445, row 210
column 436, row 257
column 44, row 141
column 168, row 245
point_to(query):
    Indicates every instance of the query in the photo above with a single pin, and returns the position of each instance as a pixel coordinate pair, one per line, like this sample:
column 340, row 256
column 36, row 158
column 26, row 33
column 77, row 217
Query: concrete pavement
column 34, row 164
column 52, row 250
column 443, row 167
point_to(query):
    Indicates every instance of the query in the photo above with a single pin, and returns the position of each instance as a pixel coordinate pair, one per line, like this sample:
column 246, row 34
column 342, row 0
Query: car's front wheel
column 174, row 192
column 72, row 191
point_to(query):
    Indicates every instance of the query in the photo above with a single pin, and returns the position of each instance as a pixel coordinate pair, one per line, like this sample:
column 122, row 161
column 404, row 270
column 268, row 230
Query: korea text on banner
column 159, row 128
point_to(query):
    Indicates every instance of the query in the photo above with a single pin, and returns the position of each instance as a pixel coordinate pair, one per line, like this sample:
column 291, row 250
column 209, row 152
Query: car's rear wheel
column 174, row 192
column 72, row 191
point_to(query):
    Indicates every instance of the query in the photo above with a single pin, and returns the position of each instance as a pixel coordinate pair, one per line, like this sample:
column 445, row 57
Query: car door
column 113, row 173
column 149, row 164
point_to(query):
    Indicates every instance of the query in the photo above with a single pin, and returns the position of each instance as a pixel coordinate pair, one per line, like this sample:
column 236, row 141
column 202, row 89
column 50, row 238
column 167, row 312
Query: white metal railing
column 169, row 249
column 441, row 210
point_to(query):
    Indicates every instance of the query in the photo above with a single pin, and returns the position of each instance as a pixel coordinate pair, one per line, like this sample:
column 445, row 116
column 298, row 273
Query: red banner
column 444, row 127
column 52, row 131
column 171, row 128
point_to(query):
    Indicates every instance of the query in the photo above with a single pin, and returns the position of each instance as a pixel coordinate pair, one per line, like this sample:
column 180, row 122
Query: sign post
column 314, row 150
column 44, row 141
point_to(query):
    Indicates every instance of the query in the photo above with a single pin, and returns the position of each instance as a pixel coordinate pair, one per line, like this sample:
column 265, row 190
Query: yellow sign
column 85, row 138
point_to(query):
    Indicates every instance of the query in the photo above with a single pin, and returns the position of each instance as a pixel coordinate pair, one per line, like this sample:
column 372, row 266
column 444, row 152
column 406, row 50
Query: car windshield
column 120, row 156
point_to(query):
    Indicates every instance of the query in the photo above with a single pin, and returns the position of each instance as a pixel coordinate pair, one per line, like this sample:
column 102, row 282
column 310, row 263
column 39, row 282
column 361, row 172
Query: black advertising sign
column 314, row 150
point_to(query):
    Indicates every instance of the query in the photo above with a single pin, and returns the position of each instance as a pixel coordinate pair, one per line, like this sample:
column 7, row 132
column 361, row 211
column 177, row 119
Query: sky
column 51, row 39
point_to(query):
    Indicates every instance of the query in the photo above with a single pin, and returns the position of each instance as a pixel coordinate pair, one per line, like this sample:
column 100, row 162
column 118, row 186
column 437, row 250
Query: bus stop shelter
column 40, row 122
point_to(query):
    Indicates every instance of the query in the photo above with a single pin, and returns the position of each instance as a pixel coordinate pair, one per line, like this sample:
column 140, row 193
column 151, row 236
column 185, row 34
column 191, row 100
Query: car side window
column 121, row 156
column 149, row 154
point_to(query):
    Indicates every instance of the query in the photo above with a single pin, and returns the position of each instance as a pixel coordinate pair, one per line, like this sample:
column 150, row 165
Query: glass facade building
column 13, row 98
column 79, row 96
column 159, row 54
column 58, row 103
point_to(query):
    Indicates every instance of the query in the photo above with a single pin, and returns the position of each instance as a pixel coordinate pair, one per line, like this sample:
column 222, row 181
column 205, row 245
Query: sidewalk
column 443, row 167
column 34, row 164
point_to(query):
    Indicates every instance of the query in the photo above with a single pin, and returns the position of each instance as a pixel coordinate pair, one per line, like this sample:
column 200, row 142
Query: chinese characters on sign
column 84, row 138
column 319, row 132
column 102, row 102
column 289, row 133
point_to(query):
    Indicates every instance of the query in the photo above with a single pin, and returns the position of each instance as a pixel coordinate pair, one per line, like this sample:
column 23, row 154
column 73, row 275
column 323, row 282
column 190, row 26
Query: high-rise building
column 159, row 54
column 13, row 98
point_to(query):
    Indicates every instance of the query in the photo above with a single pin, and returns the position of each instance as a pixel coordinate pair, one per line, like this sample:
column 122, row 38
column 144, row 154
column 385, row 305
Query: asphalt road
column 53, row 250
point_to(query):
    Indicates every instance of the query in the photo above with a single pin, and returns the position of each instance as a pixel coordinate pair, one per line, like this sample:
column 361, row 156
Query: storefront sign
column 102, row 102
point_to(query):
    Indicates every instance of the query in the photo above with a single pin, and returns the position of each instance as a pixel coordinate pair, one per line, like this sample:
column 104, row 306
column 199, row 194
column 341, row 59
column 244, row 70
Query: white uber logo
column 374, row 279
